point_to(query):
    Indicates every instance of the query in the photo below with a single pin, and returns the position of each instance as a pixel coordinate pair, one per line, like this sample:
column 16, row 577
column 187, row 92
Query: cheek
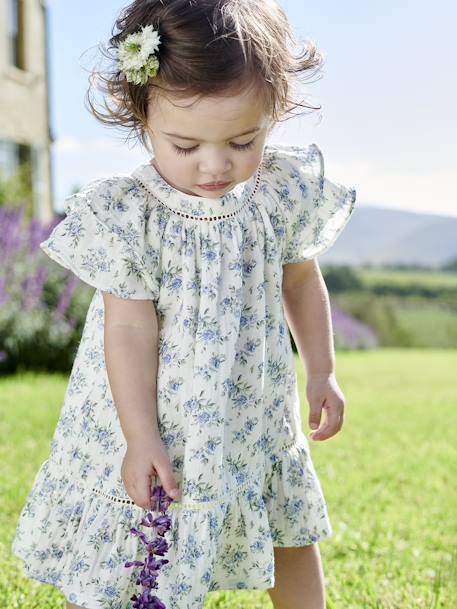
column 175, row 163
column 250, row 162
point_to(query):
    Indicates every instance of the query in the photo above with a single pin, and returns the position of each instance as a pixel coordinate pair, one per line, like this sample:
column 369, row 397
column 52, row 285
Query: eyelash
column 186, row 151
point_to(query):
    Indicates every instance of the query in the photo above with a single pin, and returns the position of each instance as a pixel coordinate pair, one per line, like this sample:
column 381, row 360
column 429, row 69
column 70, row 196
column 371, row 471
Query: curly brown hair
column 207, row 48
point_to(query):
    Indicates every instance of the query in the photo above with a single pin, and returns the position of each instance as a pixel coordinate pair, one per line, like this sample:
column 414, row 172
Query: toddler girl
column 185, row 374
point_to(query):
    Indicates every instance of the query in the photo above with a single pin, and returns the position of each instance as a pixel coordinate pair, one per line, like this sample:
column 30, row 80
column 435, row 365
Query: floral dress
column 227, row 401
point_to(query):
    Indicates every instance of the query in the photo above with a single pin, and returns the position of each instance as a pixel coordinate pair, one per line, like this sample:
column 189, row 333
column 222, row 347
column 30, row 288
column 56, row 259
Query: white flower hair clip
column 136, row 56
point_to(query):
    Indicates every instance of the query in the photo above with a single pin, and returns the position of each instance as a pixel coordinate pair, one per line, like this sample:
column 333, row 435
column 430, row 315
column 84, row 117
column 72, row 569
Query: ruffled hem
column 297, row 509
column 99, row 254
column 76, row 541
column 79, row 541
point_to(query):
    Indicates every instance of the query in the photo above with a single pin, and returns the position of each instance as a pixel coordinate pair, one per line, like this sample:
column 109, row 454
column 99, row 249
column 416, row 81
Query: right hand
column 141, row 461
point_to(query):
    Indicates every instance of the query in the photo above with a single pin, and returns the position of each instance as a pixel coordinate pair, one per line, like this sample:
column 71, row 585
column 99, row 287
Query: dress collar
column 193, row 205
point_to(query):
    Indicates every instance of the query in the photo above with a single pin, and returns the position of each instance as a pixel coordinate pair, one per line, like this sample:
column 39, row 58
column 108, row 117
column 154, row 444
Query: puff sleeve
column 315, row 210
column 103, row 240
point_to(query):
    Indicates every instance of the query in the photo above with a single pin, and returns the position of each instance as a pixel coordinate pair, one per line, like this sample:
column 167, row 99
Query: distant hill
column 376, row 235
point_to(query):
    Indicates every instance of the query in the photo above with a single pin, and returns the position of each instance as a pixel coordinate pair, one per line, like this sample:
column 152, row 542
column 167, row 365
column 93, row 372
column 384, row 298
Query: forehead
column 218, row 115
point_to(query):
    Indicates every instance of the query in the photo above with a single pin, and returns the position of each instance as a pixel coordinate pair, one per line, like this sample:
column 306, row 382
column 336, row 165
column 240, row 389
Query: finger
column 141, row 493
column 167, row 480
column 315, row 413
column 340, row 411
column 341, row 421
column 330, row 427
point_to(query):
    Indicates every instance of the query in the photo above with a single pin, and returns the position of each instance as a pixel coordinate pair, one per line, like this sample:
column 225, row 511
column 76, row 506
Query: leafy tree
column 341, row 278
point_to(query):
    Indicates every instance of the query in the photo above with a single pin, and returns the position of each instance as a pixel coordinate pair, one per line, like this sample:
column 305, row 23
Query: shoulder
column 113, row 199
column 287, row 164
column 105, row 238
column 296, row 175
column 291, row 175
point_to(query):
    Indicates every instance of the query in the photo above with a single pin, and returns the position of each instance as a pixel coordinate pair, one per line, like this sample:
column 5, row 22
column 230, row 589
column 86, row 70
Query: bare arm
column 308, row 314
column 131, row 356
column 131, row 338
column 307, row 310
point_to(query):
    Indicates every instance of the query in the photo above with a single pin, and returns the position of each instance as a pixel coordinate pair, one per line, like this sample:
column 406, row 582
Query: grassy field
column 388, row 477
column 429, row 279
column 402, row 321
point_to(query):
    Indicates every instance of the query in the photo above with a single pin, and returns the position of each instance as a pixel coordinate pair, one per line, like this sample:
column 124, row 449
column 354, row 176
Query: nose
column 215, row 167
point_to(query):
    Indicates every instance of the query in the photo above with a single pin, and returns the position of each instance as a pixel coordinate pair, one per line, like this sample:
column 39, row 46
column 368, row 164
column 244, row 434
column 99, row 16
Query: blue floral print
column 227, row 398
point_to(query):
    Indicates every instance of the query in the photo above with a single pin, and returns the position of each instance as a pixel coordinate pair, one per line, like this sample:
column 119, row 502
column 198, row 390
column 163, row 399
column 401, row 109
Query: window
column 8, row 158
column 16, row 33
column 12, row 156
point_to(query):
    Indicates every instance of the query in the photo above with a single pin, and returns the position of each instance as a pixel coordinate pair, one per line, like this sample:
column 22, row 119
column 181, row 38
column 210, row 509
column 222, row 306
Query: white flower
column 136, row 55
column 150, row 41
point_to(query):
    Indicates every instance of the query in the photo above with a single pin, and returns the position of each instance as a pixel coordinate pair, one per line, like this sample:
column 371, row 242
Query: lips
column 211, row 184
column 214, row 185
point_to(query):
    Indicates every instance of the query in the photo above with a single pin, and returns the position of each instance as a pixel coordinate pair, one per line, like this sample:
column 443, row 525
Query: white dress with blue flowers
column 227, row 400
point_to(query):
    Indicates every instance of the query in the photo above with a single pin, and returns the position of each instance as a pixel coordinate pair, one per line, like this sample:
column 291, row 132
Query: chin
column 213, row 195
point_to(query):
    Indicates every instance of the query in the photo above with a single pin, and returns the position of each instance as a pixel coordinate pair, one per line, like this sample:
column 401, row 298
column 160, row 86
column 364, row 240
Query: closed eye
column 180, row 150
column 185, row 151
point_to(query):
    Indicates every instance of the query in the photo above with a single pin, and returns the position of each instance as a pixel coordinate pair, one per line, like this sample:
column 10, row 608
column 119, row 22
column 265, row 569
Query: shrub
column 341, row 278
column 42, row 305
column 377, row 313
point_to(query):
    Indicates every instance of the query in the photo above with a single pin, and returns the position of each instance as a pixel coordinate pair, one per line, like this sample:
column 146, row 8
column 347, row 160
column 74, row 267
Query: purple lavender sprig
column 157, row 546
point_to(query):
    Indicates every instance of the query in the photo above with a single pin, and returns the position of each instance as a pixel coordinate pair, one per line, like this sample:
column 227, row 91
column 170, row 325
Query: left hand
column 323, row 392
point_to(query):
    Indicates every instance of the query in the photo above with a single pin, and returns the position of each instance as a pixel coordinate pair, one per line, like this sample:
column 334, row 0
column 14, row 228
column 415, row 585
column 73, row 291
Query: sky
column 388, row 93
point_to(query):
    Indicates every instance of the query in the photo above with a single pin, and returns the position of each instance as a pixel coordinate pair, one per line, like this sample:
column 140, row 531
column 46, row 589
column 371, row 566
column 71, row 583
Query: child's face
column 216, row 148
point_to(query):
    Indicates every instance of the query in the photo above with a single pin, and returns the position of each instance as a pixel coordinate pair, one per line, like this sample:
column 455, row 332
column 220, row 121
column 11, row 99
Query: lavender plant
column 156, row 546
column 38, row 299
column 350, row 332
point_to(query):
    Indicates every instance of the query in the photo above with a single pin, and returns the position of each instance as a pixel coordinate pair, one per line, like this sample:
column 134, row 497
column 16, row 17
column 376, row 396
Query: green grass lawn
column 428, row 323
column 388, row 477
column 429, row 279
